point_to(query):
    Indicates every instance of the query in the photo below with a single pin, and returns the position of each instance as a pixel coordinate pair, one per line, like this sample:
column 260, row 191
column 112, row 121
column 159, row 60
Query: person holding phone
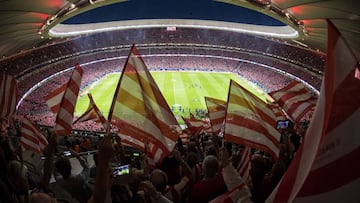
column 121, row 170
column 283, row 124
column 76, row 185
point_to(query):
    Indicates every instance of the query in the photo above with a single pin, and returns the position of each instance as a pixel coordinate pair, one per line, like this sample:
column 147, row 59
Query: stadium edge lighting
column 54, row 27
column 95, row 1
column 62, row 30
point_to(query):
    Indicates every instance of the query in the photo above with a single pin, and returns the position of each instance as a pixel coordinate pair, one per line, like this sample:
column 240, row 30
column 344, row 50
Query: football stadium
column 184, row 91
column 179, row 101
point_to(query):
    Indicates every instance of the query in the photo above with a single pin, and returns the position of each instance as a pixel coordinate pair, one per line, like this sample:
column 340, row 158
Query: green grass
column 186, row 89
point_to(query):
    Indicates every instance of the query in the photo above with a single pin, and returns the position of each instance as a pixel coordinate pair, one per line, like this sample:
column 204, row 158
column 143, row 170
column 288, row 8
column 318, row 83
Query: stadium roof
column 27, row 24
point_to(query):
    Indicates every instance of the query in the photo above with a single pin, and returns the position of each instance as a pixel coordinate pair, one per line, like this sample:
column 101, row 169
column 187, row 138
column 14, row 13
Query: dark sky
column 173, row 9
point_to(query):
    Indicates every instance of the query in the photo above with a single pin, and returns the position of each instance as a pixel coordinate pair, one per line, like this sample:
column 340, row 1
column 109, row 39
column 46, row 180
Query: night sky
column 173, row 9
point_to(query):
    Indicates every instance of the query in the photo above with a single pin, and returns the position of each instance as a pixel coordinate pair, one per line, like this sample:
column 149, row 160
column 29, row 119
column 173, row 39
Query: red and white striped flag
column 92, row 113
column 130, row 141
column 244, row 164
column 234, row 195
column 325, row 168
column 217, row 111
column 277, row 111
column 8, row 95
column 149, row 158
column 140, row 109
column 62, row 102
column 296, row 100
column 196, row 126
column 31, row 137
column 250, row 122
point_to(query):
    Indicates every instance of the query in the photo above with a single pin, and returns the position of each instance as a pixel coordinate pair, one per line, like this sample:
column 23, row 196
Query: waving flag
column 279, row 114
column 235, row 195
column 195, row 126
column 62, row 102
column 92, row 113
column 140, row 110
column 325, row 168
column 128, row 140
column 140, row 144
column 217, row 111
column 250, row 122
column 244, row 164
column 8, row 95
column 31, row 137
column 295, row 99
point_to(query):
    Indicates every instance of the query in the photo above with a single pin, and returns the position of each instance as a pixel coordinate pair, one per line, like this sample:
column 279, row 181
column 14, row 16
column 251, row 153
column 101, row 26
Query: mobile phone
column 282, row 124
column 121, row 170
column 136, row 154
column 67, row 153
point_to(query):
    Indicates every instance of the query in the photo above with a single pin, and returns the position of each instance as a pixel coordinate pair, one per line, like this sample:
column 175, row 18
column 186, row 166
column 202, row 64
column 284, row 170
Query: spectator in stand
column 92, row 173
column 17, row 181
column 141, row 192
column 257, row 173
column 68, row 143
column 85, row 145
column 193, row 162
column 76, row 145
column 212, row 185
column 76, row 185
column 150, row 194
column 233, row 181
column 174, row 192
column 171, row 167
column 102, row 180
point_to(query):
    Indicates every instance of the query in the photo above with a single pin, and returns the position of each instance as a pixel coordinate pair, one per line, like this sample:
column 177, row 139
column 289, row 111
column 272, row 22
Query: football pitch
column 183, row 91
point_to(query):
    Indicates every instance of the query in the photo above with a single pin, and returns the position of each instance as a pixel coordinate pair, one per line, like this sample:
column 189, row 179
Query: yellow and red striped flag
column 140, row 109
column 8, row 95
column 326, row 166
column 250, row 122
column 217, row 111
column 92, row 113
column 31, row 137
column 62, row 102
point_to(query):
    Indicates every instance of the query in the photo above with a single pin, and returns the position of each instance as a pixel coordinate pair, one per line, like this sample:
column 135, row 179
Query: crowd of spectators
column 184, row 49
column 34, row 105
column 84, row 167
column 39, row 57
column 197, row 172
column 33, row 66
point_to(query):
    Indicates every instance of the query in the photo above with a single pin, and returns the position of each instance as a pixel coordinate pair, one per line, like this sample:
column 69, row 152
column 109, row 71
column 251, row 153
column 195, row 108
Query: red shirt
column 204, row 191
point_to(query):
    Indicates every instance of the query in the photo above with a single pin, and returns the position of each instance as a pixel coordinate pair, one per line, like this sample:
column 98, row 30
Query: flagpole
column 211, row 123
column 226, row 110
